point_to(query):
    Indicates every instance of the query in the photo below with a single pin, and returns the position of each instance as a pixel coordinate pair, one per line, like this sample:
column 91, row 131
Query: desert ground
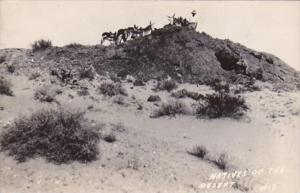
column 151, row 154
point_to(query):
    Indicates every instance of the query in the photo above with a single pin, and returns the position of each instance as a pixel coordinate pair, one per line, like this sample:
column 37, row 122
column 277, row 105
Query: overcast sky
column 265, row 26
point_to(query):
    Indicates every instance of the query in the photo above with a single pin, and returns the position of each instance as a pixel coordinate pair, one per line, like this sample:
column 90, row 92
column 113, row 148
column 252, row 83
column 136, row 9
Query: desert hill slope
column 184, row 55
column 197, row 57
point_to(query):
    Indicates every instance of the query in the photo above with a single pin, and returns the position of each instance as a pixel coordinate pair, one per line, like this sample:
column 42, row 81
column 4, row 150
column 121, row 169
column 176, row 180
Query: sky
column 269, row 26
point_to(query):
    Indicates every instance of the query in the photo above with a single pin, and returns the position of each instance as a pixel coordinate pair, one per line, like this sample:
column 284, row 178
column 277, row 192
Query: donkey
column 192, row 25
column 122, row 35
column 136, row 32
column 147, row 30
column 109, row 36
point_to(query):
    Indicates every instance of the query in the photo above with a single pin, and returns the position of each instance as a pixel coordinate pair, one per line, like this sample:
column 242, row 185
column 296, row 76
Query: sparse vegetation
column 83, row 92
column 87, row 72
column 41, row 45
column 138, row 83
column 167, row 85
column 34, row 75
column 120, row 100
column 221, row 162
column 59, row 136
column 183, row 93
column 5, row 87
column 221, row 105
column 11, row 68
column 172, row 108
column 2, row 59
column 111, row 89
column 220, row 86
column 74, row 45
column 64, row 73
column 119, row 127
column 46, row 94
column 199, row 151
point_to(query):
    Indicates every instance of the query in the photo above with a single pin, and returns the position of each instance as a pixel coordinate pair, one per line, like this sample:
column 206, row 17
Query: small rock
column 153, row 98
column 138, row 83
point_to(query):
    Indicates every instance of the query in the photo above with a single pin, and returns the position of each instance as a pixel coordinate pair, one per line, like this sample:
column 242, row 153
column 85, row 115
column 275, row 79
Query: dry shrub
column 118, row 127
column 222, row 105
column 83, row 92
column 120, row 100
column 199, row 151
column 87, row 72
column 111, row 89
column 221, row 162
column 41, row 45
column 167, row 85
column 2, row 58
column 46, row 94
column 11, row 68
column 59, row 136
column 5, row 87
column 183, row 93
column 34, row 75
column 220, row 86
column 139, row 83
column 65, row 73
column 74, row 45
column 172, row 108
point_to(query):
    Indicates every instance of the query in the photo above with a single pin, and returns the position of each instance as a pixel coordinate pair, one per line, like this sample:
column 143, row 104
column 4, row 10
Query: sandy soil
column 150, row 155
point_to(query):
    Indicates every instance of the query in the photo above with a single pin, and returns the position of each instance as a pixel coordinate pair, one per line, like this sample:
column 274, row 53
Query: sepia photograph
column 154, row 96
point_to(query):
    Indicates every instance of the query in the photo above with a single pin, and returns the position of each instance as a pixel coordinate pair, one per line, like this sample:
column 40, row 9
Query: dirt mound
column 183, row 54
column 196, row 57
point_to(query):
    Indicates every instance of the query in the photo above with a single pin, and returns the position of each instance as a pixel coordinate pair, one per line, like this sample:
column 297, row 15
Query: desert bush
column 83, row 92
column 172, row 108
column 167, row 85
column 2, row 58
column 199, row 151
column 41, row 45
column 118, row 127
column 5, row 87
column 59, row 136
column 87, row 72
column 74, row 45
column 120, row 100
column 34, row 75
column 11, row 68
column 46, row 94
column 221, row 162
column 220, row 86
column 222, row 105
column 63, row 73
column 111, row 89
column 138, row 83
column 183, row 93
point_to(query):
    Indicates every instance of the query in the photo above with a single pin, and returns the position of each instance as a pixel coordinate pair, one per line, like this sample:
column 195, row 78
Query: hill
column 180, row 53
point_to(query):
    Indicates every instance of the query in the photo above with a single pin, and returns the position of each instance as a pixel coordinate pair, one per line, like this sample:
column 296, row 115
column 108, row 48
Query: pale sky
column 270, row 26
